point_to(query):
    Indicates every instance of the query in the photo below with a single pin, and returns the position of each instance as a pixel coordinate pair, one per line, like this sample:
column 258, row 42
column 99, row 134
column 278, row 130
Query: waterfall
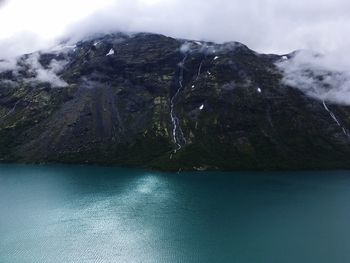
column 177, row 133
column 335, row 118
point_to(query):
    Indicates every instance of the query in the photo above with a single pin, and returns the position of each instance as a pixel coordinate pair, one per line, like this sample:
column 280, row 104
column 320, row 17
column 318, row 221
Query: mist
column 266, row 26
column 46, row 75
column 325, row 77
column 269, row 26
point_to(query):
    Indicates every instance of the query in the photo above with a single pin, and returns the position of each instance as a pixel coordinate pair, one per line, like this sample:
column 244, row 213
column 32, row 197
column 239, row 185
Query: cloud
column 278, row 26
column 46, row 75
column 268, row 26
column 22, row 43
column 27, row 26
column 323, row 77
column 8, row 64
column 33, row 67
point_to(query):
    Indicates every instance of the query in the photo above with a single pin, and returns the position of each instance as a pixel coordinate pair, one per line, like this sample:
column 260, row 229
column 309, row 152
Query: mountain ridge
column 151, row 101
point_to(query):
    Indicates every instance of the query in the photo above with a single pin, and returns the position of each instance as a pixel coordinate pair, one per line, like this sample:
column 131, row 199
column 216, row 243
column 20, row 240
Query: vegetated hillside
column 151, row 101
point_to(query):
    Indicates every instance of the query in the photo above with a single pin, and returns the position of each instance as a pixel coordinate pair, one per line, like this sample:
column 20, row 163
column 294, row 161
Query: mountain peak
column 154, row 101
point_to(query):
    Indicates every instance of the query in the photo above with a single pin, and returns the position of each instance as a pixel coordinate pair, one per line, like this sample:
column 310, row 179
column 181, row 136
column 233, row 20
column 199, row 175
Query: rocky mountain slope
column 151, row 101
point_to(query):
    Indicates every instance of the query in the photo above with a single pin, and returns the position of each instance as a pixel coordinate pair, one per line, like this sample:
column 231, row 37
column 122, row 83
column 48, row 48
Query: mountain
column 147, row 100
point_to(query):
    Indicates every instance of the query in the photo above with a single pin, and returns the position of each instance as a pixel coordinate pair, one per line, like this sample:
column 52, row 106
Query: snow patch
column 259, row 90
column 110, row 53
column 216, row 58
column 201, row 107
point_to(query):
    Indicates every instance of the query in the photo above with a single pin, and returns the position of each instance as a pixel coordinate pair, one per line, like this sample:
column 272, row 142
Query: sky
column 266, row 26
column 270, row 26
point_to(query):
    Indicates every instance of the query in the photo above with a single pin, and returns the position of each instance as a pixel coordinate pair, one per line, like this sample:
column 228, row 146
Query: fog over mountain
column 268, row 26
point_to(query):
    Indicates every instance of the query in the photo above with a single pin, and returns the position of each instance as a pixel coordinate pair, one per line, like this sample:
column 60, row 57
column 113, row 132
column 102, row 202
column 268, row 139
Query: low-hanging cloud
column 325, row 77
column 46, row 75
column 277, row 26
column 268, row 26
column 35, row 71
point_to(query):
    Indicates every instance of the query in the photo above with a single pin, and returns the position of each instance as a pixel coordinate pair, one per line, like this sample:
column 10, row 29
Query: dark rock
column 233, row 110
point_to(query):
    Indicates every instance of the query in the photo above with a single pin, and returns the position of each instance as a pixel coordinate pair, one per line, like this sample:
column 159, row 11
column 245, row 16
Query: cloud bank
column 268, row 26
column 277, row 26
column 325, row 77
column 46, row 75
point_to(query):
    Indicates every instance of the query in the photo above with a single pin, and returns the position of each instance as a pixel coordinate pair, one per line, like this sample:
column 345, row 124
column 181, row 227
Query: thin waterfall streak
column 345, row 132
column 15, row 106
column 335, row 118
column 199, row 69
column 181, row 87
column 331, row 114
column 178, row 135
column 10, row 111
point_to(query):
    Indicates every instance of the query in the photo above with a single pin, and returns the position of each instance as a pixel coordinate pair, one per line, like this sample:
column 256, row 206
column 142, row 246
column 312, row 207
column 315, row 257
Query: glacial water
column 76, row 214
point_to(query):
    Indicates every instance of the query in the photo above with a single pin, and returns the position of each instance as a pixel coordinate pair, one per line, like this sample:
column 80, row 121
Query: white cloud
column 48, row 75
column 323, row 77
column 30, row 25
column 7, row 64
column 265, row 25
column 270, row 26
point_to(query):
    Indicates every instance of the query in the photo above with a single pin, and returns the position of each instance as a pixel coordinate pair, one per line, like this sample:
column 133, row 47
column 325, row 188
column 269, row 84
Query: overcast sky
column 267, row 26
column 277, row 26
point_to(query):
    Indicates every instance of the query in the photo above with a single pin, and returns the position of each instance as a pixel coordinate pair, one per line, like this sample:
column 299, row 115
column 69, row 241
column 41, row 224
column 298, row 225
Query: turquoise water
column 90, row 214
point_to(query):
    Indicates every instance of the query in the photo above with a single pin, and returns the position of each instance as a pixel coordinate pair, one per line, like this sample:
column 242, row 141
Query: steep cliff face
column 151, row 101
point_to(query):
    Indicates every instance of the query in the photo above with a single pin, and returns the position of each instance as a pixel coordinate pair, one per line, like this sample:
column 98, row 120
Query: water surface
column 90, row 214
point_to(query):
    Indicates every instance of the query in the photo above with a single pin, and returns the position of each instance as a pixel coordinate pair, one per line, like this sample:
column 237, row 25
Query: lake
column 96, row 214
